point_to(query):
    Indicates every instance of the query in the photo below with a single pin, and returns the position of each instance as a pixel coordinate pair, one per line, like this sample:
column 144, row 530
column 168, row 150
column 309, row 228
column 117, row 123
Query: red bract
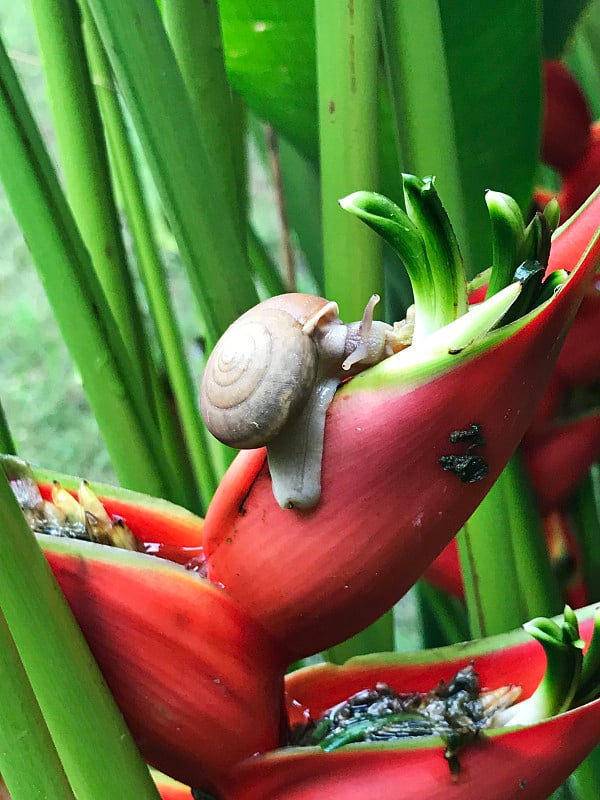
column 558, row 459
column 566, row 132
column 388, row 508
column 197, row 681
column 583, row 177
column 579, row 360
column 531, row 761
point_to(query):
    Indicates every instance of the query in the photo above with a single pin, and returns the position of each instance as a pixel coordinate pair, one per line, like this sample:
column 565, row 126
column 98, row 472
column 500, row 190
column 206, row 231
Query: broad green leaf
column 493, row 57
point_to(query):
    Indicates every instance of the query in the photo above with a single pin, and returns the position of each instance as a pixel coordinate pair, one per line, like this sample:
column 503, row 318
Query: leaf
column 493, row 71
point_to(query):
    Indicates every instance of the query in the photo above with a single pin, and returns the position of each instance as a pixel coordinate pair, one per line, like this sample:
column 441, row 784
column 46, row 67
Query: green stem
column 194, row 30
column 92, row 740
column 24, row 737
column 586, row 778
column 212, row 249
column 586, row 511
column 538, row 584
column 73, row 291
column 377, row 638
column 346, row 35
column 154, row 278
column 443, row 617
column 415, row 61
column 6, row 441
column 503, row 537
column 493, row 605
column 84, row 162
column 263, row 266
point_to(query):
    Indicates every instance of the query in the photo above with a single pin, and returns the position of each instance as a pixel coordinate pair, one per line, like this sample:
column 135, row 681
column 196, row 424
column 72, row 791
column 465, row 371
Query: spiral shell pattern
column 260, row 373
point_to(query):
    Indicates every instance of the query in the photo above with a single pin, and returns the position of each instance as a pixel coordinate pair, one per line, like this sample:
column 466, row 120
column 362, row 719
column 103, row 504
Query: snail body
column 272, row 376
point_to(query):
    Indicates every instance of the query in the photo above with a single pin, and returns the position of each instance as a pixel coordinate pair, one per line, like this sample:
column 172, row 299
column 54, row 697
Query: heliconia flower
column 402, row 440
column 531, row 760
column 558, row 459
column 579, row 361
column 567, row 118
column 584, row 176
column 198, row 682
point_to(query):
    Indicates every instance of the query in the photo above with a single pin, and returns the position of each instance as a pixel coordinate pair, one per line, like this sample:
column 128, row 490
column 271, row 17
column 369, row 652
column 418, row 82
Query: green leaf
column 560, row 20
column 494, row 80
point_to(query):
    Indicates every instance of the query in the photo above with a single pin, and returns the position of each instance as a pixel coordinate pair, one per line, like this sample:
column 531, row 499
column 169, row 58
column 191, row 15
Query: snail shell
column 259, row 375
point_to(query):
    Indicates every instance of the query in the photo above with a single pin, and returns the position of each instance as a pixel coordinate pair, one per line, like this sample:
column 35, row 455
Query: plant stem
column 6, row 441
column 73, row 291
column 154, row 278
column 414, row 51
column 194, row 30
column 191, row 189
column 503, row 537
column 86, row 172
column 348, row 122
column 586, row 509
column 92, row 740
column 24, row 737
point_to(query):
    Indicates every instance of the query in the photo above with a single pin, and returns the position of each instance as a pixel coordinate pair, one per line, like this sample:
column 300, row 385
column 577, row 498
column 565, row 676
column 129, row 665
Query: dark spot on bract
column 468, row 468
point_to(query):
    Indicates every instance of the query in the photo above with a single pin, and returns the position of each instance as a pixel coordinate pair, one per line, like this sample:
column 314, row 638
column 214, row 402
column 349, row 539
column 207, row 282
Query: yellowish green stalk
column 194, row 31
column 29, row 763
column 414, row 50
column 347, row 69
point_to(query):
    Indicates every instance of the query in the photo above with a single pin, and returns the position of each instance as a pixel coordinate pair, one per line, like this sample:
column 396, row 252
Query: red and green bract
column 314, row 578
column 531, row 761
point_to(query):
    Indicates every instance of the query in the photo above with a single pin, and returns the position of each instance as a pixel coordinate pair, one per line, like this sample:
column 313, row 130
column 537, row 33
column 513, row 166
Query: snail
column 273, row 374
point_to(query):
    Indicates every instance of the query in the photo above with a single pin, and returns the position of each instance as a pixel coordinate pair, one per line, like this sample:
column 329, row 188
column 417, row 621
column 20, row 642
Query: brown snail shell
column 261, row 372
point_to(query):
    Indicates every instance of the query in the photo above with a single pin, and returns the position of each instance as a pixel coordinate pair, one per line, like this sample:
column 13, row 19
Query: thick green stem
column 29, row 763
column 503, row 538
column 194, row 30
column 93, row 743
column 415, row 60
column 84, row 163
column 586, row 510
column 346, row 32
column 74, row 293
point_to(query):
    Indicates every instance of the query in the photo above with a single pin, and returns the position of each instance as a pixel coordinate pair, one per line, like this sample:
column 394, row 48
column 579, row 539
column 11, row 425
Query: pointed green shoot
column 425, row 209
column 395, row 227
column 563, row 648
column 508, row 233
